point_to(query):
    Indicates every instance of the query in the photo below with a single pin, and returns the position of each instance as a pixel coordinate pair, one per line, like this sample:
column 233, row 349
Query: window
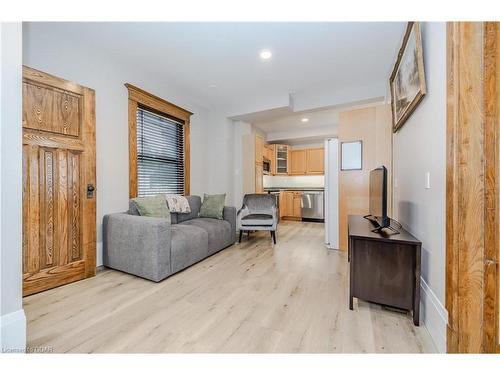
column 160, row 154
column 158, row 145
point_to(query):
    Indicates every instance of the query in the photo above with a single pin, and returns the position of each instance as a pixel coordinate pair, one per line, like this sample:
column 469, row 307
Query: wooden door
column 59, row 219
column 298, row 162
column 315, row 159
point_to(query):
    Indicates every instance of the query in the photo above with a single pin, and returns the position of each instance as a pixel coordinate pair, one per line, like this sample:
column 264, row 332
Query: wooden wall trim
column 491, row 145
column 132, row 147
column 472, row 222
column 187, row 158
column 155, row 102
column 451, row 296
column 138, row 97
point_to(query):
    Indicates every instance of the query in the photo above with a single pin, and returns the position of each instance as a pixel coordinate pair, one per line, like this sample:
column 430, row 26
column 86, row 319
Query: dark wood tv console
column 384, row 267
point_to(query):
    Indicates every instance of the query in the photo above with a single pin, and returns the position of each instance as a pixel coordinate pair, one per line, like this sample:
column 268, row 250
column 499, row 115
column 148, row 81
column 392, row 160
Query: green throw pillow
column 155, row 206
column 212, row 206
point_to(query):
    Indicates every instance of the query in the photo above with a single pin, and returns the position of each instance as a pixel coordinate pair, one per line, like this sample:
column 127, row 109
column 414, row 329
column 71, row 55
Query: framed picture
column 351, row 156
column 407, row 80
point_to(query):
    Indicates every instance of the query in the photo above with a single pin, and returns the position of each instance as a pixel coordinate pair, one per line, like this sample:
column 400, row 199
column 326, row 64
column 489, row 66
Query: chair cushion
column 189, row 244
column 257, row 219
column 218, row 231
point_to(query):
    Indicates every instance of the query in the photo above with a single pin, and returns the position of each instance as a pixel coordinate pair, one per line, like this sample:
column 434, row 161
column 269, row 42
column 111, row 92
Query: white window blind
column 160, row 154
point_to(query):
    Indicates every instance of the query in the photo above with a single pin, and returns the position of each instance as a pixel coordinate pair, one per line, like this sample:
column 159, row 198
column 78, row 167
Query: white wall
column 219, row 163
column 240, row 130
column 49, row 50
column 420, row 147
column 12, row 321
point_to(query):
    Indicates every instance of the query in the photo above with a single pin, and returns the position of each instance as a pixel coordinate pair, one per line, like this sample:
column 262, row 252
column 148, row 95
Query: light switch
column 428, row 180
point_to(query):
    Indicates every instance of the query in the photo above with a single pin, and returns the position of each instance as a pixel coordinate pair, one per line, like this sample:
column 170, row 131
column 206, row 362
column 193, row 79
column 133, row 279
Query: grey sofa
column 154, row 249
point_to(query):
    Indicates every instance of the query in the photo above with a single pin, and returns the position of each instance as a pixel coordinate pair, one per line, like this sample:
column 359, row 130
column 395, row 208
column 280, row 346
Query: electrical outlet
column 428, row 180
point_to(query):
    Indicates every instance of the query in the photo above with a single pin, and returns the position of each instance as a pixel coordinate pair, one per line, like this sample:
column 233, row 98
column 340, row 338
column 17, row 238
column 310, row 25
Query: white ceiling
column 307, row 57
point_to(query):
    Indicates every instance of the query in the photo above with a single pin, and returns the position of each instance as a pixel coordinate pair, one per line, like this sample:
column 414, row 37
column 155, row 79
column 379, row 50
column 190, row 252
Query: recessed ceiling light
column 305, row 119
column 265, row 54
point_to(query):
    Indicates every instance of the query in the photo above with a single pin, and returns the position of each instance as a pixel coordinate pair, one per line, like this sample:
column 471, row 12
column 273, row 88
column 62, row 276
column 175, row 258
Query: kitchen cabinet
column 259, row 149
column 315, row 161
column 296, row 211
column 259, row 178
column 270, row 155
column 308, row 161
column 298, row 162
column 291, row 204
column 282, row 159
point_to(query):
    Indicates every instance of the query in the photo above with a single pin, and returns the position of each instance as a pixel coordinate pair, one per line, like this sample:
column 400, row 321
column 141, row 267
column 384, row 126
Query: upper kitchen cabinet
column 282, row 159
column 270, row 156
column 298, row 164
column 315, row 161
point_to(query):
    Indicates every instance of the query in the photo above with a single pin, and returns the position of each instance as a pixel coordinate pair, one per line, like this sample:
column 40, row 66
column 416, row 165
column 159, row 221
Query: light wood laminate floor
column 252, row 297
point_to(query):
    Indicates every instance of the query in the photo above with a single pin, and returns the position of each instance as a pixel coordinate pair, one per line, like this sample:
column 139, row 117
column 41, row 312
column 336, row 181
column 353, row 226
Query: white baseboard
column 99, row 255
column 433, row 315
column 13, row 332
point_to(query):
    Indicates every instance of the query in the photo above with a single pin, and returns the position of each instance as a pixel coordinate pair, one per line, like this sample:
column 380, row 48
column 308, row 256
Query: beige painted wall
column 372, row 126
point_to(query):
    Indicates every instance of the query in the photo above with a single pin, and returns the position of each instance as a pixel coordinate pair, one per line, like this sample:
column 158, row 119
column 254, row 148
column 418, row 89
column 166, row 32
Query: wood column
column 472, row 187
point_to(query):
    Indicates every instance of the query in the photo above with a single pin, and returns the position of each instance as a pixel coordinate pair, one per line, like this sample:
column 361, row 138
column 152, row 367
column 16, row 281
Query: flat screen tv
column 378, row 198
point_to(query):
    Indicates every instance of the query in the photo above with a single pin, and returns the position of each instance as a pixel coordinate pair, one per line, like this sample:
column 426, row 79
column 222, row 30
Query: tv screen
column 378, row 196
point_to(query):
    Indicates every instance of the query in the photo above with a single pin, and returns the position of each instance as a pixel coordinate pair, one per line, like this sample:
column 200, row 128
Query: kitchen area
column 295, row 175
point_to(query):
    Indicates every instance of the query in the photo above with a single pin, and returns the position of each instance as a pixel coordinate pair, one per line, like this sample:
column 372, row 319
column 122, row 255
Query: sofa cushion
column 189, row 244
column 213, row 206
column 218, row 231
column 194, row 204
column 132, row 210
column 154, row 206
column 257, row 219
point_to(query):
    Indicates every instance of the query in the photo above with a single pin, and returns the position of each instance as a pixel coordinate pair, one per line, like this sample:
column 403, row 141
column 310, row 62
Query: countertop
column 293, row 189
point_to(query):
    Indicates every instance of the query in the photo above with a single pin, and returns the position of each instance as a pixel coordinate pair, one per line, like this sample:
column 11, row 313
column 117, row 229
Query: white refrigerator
column 332, row 193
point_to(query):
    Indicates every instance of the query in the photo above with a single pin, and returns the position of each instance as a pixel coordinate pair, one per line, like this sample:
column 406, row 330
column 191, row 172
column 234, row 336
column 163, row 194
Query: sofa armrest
column 138, row 245
column 229, row 214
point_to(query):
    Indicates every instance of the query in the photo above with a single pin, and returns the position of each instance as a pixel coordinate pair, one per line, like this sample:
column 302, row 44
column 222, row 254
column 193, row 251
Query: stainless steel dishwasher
column 312, row 205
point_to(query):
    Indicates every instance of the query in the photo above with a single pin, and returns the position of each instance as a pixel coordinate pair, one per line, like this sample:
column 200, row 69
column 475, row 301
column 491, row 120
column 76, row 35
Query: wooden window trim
column 138, row 97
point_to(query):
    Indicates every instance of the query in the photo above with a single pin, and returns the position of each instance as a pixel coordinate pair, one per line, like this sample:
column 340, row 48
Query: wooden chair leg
column 273, row 235
column 241, row 232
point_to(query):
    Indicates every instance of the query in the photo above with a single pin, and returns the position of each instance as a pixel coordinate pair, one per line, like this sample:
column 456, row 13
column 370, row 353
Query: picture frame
column 351, row 156
column 407, row 80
